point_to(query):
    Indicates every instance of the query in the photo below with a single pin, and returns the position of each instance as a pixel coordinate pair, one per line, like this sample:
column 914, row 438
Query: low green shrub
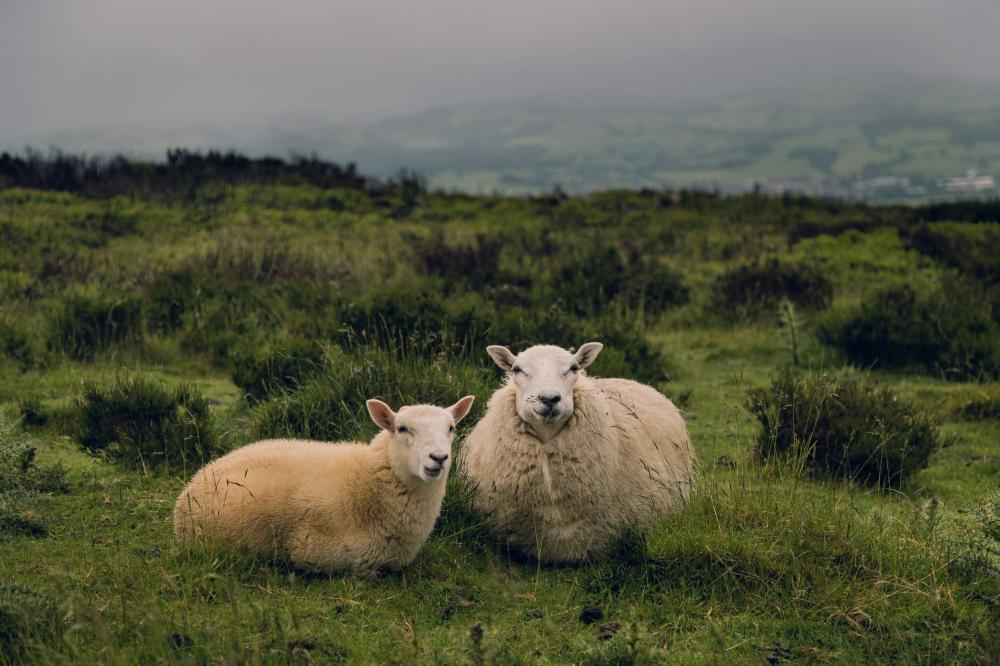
column 331, row 406
column 22, row 481
column 33, row 413
column 947, row 330
column 27, row 620
column 602, row 278
column 15, row 344
column 842, row 428
column 84, row 324
column 969, row 247
column 145, row 425
column 168, row 296
column 19, row 471
column 282, row 367
column 984, row 406
column 754, row 290
column 475, row 264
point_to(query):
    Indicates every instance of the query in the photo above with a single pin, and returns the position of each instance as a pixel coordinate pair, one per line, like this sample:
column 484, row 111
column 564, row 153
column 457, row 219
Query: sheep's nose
column 550, row 399
column 439, row 458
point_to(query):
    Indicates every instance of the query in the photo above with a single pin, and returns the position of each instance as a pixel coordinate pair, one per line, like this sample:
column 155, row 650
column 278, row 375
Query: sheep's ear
column 461, row 408
column 588, row 353
column 381, row 414
column 501, row 356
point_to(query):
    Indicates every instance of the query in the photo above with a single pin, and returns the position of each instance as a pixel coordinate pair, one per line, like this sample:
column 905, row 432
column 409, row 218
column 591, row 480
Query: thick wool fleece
column 337, row 508
column 621, row 459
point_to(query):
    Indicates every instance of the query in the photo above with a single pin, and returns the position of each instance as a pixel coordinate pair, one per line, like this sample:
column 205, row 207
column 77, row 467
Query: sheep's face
column 421, row 436
column 544, row 376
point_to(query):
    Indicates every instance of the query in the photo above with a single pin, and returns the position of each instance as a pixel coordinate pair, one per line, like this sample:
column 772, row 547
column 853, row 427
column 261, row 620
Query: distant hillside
column 881, row 139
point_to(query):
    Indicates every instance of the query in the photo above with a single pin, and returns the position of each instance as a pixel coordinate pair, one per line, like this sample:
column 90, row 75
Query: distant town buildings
column 971, row 182
column 878, row 188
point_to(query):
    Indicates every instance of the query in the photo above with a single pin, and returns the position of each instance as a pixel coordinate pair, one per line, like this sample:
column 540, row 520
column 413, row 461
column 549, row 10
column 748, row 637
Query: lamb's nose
column 439, row 458
column 550, row 399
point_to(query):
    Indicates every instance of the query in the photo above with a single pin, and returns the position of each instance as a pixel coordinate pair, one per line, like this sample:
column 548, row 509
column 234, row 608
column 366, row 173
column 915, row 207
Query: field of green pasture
column 143, row 333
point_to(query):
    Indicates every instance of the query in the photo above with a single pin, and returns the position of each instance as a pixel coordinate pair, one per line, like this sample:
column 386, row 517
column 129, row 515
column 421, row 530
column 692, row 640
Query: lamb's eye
column 402, row 430
column 516, row 370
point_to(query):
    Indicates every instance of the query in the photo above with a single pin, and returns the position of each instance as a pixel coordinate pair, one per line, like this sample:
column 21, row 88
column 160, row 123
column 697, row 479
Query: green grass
column 764, row 563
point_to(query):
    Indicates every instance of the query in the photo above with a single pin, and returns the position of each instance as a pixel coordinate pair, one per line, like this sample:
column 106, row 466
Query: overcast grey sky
column 67, row 65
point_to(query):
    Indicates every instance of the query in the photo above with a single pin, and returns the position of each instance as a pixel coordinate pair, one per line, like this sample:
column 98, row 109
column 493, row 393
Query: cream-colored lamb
column 332, row 507
column 561, row 462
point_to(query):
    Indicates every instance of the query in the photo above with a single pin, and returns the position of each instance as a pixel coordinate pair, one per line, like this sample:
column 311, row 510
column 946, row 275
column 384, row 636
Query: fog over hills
column 525, row 95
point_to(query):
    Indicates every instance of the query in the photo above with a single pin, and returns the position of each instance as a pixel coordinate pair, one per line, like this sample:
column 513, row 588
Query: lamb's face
column 421, row 436
column 544, row 376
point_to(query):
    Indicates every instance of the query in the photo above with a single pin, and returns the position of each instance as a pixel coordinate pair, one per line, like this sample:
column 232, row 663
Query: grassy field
column 284, row 304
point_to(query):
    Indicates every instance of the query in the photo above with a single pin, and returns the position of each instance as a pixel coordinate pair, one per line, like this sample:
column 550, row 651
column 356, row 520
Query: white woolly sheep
column 561, row 462
column 330, row 507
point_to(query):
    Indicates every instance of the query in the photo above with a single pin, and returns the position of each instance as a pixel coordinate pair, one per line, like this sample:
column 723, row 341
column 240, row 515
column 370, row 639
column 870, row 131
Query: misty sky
column 68, row 65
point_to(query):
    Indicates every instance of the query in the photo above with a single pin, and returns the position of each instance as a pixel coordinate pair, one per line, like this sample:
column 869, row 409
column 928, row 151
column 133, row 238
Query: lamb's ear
column 501, row 356
column 381, row 414
column 588, row 353
column 461, row 408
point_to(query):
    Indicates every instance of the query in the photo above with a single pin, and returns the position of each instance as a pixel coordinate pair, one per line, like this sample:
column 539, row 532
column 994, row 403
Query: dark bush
column 595, row 281
column 282, row 367
column 27, row 620
column 331, row 406
column 15, row 343
column 984, row 406
column 85, row 324
column 416, row 318
column 168, row 297
column 145, row 425
column 21, row 481
column 33, row 413
column 842, row 428
column 19, row 471
column 946, row 330
column 476, row 264
column 753, row 290
column 973, row 249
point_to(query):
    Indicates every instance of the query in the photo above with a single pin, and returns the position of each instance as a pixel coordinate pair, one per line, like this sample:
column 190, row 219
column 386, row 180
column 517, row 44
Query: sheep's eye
column 516, row 370
column 402, row 429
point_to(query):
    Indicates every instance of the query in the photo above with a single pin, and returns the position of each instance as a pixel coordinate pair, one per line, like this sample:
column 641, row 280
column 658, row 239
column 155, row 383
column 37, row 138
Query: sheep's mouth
column 433, row 472
column 548, row 414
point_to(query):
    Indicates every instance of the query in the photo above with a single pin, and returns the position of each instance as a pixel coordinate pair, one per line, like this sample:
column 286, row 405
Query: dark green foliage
column 19, row 471
column 33, row 413
column 974, row 249
column 984, row 406
column 183, row 171
column 284, row 366
column 168, row 297
column 22, row 481
column 753, row 290
column 331, row 406
column 145, row 425
column 15, row 344
column 27, row 620
column 601, row 277
column 842, row 428
column 987, row 210
column 476, row 264
column 946, row 330
column 86, row 323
